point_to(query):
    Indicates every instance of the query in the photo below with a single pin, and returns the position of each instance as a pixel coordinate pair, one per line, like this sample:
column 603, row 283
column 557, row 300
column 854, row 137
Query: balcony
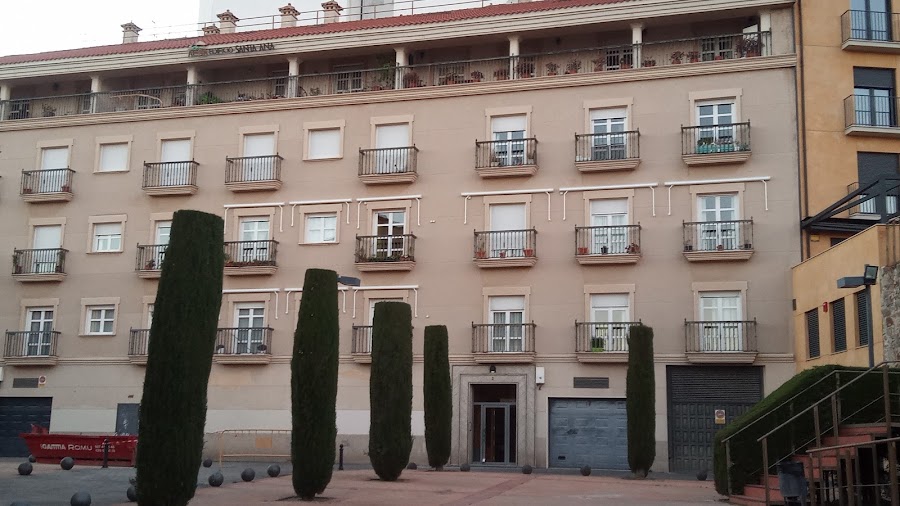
column 721, row 341
column 607, row 152
column 236, row 346
column 510, row 158
column 871, row 116
column 870, row 31
column 500, row 343
column 385, row 253
column 388, row 165
column 602, row 342
column 715, row 144
column 39, row 265
column 253, row 173
column 250, row 258
column 620, row 244
column 361, row 347
column 717, row 241
column 51, row 185
column 506, row 248
column 138, row 339
column 37, row 348
column 869, row 209
column 149, row 260
column 170, row 178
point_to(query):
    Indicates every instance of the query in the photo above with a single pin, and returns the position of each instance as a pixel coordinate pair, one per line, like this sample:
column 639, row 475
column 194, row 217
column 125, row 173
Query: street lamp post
column 869, row 277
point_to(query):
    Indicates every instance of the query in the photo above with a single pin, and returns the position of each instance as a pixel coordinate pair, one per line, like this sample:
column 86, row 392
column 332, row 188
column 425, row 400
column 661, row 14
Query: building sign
column 243, row 48
column 720, row 417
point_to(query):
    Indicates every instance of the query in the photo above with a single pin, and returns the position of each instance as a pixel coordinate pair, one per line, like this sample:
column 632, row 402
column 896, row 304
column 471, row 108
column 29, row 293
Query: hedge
column 437, row 396
column 640, row 401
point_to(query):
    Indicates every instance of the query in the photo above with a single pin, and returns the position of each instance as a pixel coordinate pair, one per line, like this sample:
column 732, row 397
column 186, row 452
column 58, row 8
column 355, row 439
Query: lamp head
column 870, row 274
column 493, row 369
column 349, row 281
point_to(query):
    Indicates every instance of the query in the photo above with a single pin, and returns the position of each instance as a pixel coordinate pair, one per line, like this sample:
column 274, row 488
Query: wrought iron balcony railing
column 250, row 253
column 46, row 181
column 870, row 26
column 503, row 338
column 608, row 240
column 506, row 244
column 362, row 339
column 387, row 161
column 720, row 336
column 244, row 341
column 39, row 261
column 165, row 174
column 508, row 153
column 138, row 339
column 385, row 248
column 871, row 111
column 725, row 138
column 35, row 343
column 602, row 337
column 607, row 146
column 248, row 169
column 150, row 257
column 735, row 235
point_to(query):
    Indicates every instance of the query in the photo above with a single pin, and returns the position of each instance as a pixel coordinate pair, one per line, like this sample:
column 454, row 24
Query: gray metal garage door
column 588, row 431
column 16, row 416
column 694, row 395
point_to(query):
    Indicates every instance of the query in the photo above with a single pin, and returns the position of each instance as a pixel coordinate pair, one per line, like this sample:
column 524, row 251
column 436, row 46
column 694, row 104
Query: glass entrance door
column 495, row 433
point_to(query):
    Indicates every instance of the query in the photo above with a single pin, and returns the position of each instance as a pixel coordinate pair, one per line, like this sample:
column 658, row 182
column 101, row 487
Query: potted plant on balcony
column 477, row 76
column 573, row 66
column 480, row 253
column 48, row 111
column 633, row 249
column 525, row 69
column 529, row 252
column 693, row 57
column 705, row 145
column 66, row 188
column 720, row 247
column 149, row 265
column 18, row 269
column 748, row 47
column 27, row 191
column 552, row 69
column 677, row 57
column 625, row 66
column 209, row 98
column 598, row 344
column 502, row 253
column 604, row 250
column 411, row 80
column 501, row 74
column 649, row 63
column 582, row 250
column 598, row 64
column 495, row 160
column 688, row 246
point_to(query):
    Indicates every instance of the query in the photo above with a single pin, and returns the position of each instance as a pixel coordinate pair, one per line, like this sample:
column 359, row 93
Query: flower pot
column 604, row 250
column 480, row 254
column 529, row 252
column 720, row 248
column 502, row 254
column 582, row 251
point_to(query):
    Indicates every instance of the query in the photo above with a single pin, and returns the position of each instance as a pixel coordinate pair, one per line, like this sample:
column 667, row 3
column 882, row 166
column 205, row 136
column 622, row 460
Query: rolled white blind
column 325, row 143
column 175, row 150
column 609, row 206
column 515, row 123
column 507, row 303
column 259, row 145
column 609, row 300
column 113, row 157
column 54, row 158
column 608, row 113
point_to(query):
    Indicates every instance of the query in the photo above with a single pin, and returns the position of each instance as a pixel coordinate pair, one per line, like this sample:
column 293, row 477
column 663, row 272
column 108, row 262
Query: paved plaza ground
column 50, row 486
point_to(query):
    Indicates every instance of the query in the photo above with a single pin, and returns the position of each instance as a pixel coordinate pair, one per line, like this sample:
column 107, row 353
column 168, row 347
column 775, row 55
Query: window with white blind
column 608, row 142
column 324, row 144
column 507, row 318
column 609, row 232
column 113, row 157
column 175, row 150
column 107, row 237
column 508, row 134
column 100, row 320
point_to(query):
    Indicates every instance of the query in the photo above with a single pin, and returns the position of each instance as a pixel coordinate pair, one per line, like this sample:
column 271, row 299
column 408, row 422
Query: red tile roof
column 279, row 33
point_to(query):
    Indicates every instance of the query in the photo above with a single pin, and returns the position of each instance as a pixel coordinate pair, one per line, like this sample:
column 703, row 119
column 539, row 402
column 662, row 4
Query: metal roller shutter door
column 588, row 431
column 16, row 416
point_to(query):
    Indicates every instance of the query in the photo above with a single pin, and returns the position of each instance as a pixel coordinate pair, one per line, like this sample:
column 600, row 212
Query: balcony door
column 52, row 179
column 870, row 20
column 40, row 326
column 47, row 240
column 718, row 229
column 389, row 229
column 349, row 78
column 161, row 240
column 608, row 142
column 389, row 139
column 508, row 224
column 720, row 314
column 258, row 164
column 874, row 91
column 507, row 315
column 254, row 237
column 250, row 320
column 611, row 216
column 175, row 155
column 609, row 312
column 509, row 140
column 716, row 120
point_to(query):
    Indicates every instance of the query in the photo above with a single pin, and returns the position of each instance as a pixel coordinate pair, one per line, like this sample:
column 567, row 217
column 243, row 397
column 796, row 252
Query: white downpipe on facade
column 761, row 179
column 414, row 288
column 359, row 203
column 280, row 206
column 468, row 196
column 289, row 291
column 652, row 186
column 258, row 290
column 295, row 203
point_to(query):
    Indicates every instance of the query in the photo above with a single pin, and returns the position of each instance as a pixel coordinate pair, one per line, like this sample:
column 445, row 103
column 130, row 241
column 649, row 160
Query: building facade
column 538, row 188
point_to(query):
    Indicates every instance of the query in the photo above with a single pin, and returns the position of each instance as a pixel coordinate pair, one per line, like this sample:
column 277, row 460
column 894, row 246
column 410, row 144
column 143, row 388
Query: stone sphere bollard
column 464, row 468
column 216, row 479
column 67, row 463
column 131, row 493
column 81, row 499
column 274, row 470
column 248, row 474
column 25, row 468
column 412, row 466
column 32, row 459
column 586, row 471
column 701, row 475
column 526, row 469
column 207, row 462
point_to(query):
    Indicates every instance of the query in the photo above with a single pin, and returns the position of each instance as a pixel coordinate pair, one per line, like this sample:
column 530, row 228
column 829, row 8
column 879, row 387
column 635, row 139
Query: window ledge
column 251, row 270
column 163, row 191
column 124, row 171
column 37, row 198
column 608, row 165
column 718, row 357
column 873, row 131
column 29, row 361
column 362, row 358
column 497, row 263
column 602, row 357
column 52, row 277
column 243, row 359
column 318, row 243
column 104, row 252
column 718, row 256
column 398, row 178
column 717, row 158
column 385, row 266
column 254, row 186
column 138, row 359
column 149, row 274
column 608, row 259
column 97, row 335
column 509, row 171
column 323, row 159
column 503, row 358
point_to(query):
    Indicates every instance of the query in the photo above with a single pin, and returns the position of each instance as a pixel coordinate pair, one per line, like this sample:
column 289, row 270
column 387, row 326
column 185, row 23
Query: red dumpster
column 85, row 449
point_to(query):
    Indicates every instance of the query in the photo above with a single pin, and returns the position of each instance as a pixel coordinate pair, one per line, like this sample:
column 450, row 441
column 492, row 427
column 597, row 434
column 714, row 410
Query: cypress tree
column 390, row 390
column 314, row 371
column 179, row 358
column 640, row 402
column 437, row 396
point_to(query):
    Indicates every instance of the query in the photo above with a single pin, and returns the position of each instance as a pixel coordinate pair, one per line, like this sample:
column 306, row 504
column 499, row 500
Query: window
column 389, row 228
column 391, row 141
column 609, row 233
column 100, row 320
column 720, row 314
column 609, row 312
column 862, row 320
column 250, row 335
column 321, row 228
column 507, row 237
column 39, row 321
column 324, row 144
column 839, row 325
column 175, row 156
column 113, row 157
column 254, row 244
column 718, row 228
column 372, row 303
column 54, row 158
column 150, row 309
column 349, row 78
column 717, row 120
column 175, row 150
column 812, row 332
column 870, row 19
column 874, row 97
column 507, row 316
column 52, row 177
column 508, row 134
column 163, row 231
column 107, row 237
column 608, row 141
column 619, row 58
column 871, row 168
column 47, row 241
column 717, row 48
column 257, row 163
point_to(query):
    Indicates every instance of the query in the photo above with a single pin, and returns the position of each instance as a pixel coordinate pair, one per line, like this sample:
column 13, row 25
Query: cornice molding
column 426, row 93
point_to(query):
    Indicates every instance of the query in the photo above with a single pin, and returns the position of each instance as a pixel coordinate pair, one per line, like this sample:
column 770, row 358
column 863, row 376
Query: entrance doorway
column 494, row 424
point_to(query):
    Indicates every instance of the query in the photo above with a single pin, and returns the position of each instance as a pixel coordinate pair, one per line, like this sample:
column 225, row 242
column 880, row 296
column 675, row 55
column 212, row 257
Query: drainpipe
column 803, row 187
